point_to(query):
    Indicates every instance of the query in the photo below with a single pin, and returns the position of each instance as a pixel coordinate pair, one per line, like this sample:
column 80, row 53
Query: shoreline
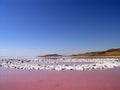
column 61, row 64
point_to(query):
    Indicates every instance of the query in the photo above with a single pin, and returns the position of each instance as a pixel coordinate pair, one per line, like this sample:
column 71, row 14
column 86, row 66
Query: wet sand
column 12, row 79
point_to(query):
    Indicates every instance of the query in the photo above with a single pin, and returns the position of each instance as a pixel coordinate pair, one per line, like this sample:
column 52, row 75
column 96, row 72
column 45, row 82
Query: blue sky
column 35, row 27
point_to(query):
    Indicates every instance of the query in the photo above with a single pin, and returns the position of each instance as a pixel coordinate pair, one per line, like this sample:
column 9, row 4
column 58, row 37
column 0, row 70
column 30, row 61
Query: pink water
column 11, row 79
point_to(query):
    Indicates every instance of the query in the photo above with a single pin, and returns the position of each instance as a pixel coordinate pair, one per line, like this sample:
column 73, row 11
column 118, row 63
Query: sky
column 37, row 27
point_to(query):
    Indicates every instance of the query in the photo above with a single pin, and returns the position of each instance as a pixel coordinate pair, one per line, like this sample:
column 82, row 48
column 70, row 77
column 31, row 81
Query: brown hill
column 110, row 52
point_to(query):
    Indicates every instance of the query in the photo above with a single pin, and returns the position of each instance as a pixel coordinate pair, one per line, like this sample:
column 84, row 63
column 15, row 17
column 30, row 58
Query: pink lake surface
column 11, row 79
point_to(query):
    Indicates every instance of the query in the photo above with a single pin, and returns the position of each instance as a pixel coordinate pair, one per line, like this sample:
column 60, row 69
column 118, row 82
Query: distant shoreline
column 106, row 53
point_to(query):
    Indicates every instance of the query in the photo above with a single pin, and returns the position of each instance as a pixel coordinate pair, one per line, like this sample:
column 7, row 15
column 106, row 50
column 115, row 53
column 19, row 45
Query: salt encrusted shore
column 54, row 64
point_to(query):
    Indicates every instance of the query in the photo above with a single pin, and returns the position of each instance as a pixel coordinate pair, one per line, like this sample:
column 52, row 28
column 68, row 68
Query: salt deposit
column 54, row 64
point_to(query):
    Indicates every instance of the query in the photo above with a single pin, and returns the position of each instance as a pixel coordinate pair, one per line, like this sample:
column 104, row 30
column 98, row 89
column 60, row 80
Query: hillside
column 51, row 55
column 110, row 52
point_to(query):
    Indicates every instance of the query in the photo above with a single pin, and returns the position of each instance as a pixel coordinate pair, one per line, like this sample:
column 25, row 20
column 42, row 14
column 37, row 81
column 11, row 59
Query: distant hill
column 51, row 55
column 110, row 52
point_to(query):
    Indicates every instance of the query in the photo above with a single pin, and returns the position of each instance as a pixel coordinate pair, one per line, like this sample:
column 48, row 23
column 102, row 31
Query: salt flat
column 60, row 74
column 61, row 63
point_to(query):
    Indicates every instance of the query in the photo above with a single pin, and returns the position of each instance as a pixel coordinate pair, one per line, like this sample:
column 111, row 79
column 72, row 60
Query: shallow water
column 12, row 79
